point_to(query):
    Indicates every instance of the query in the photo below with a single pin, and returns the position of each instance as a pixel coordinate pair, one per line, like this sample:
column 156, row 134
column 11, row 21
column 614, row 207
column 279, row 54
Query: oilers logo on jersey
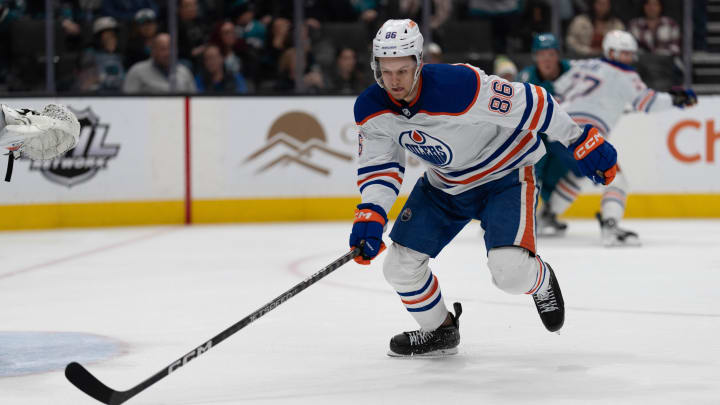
column 427, row 147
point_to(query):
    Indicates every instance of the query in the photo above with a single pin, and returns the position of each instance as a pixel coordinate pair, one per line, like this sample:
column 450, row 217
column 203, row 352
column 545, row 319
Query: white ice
column 642, row 326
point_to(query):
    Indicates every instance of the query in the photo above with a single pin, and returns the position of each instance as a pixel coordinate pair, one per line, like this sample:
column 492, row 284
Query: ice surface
column 643, row 324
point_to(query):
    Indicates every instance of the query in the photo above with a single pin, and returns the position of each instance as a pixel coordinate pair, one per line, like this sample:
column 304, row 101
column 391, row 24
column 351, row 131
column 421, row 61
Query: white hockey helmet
column 618, row 40
column 395, row 39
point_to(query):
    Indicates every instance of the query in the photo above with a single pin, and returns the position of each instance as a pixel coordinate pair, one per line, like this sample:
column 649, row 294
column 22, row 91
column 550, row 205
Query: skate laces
column 546, row 301
column 418, row 337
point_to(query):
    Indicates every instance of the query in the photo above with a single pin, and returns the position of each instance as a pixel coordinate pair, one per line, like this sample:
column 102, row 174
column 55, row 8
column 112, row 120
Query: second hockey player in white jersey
column 597, row 92
column 478, row 137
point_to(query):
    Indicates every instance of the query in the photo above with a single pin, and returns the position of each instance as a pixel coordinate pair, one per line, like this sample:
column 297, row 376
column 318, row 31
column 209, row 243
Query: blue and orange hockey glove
column 682, row 97
column 370, row 220
column 596, row 158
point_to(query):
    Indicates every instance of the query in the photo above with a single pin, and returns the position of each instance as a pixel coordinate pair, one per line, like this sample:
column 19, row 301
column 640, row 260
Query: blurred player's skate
column 550, row 304
column 613, row 235
column 440, row 342
column 548, row 224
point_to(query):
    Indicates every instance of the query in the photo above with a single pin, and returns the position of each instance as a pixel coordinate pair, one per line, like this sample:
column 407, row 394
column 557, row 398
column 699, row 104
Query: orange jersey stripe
column 388, row 174
column 644, row 101
column 539, row 109
column 375, row 115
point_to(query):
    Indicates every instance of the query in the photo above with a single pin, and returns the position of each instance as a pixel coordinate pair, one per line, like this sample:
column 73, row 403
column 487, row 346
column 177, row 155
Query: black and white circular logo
column 83, row 162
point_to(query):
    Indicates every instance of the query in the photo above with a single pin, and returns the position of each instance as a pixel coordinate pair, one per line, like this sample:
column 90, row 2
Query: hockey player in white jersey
column 597, row 92
column 478, row 137
column 37, row 135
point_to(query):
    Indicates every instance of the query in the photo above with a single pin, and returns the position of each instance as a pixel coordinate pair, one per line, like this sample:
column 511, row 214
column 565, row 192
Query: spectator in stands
column 536, row 20
column 586, row 31
column 346, row 78
column 124, row 10
column 654, row 32
column 247, row 26
column 192, row 32
column 144, row 30
column 153, row 75
column 102, row 64
column 366, row 10
column 505, row 68
column 504, row 16
column 434, row 53
column 312, row 78
column 230, row 47
column 214, row 76
column 314, row 11
column 412, row 9
column 278, row 41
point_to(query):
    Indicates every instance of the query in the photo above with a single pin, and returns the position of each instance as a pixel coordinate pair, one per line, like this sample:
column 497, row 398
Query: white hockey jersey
column 467, row 127
column 599, row 91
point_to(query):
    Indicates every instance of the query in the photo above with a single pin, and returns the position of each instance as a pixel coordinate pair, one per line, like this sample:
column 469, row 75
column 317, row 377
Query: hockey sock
column 425, row 302
column 613, row 203
column 542, row 279
column 565, row 192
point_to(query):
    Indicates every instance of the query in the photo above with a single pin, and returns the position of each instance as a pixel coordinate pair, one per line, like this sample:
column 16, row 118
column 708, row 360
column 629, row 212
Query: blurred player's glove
column 596, row 158
column 370, row 220
column 39, row 136
column 682, row 97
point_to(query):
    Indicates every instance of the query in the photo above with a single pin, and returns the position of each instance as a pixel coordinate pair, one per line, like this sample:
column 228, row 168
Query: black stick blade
column 87, row 383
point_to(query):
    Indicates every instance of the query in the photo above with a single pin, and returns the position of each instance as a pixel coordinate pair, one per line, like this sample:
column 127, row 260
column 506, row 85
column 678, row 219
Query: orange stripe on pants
column 528, row 238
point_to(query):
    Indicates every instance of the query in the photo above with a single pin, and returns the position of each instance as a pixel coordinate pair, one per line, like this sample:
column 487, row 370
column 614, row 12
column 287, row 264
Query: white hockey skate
column 614, row 236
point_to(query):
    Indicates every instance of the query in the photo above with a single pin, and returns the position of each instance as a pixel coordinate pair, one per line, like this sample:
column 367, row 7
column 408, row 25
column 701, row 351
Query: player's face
column 547, row 62
column 625, row 57
column 397, row 75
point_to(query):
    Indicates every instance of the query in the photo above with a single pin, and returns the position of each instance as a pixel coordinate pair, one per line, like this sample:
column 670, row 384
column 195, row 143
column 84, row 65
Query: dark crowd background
column 246, row 46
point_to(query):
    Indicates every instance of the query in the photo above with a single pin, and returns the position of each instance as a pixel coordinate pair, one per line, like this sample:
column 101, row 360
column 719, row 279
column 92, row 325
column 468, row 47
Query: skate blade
column 428, row 355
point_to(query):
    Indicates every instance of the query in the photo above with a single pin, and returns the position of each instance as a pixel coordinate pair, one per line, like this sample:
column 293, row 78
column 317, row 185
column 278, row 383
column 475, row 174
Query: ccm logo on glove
column 593, row 140
column 595, row 157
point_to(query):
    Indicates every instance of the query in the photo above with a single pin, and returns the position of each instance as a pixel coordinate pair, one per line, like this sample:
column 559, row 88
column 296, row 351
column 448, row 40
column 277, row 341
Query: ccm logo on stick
column 593, row 140
column 186, row 358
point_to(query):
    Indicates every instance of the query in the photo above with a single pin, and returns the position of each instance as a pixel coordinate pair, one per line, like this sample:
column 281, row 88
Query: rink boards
column 164, row 160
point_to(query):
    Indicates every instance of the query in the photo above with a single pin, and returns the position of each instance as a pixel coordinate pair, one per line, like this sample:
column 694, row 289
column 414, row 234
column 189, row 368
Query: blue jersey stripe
column 382, row 183
column 428, row 306
column 548, row 114
column 563, row 195
column 508, row 142
column 420, row 291
column 368, row 169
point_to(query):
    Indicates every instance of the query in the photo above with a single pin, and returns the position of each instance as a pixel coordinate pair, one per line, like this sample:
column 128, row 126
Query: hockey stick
column 87, row 383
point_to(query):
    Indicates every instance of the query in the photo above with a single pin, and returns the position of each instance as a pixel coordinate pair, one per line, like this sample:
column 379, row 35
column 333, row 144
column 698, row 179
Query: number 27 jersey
column 468, row 128
column 599, row 91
